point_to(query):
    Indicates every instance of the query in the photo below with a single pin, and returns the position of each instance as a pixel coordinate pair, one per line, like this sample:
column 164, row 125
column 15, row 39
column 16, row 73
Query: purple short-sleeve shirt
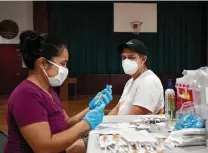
column 29, row 104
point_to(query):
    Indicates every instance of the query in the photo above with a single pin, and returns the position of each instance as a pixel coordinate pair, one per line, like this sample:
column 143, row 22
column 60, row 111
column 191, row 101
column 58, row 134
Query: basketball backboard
column 125, row 13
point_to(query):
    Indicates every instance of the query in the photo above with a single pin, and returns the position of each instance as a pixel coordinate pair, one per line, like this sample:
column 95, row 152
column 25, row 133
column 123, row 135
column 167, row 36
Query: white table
column 93, row 145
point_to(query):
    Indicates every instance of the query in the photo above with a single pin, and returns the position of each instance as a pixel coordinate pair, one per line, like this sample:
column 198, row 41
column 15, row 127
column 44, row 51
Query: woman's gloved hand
column 95, row 117
column 94, row 101
column 106, row 97
column 107, row 94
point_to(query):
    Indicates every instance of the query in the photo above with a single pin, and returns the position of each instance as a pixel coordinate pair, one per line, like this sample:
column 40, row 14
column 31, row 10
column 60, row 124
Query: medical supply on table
column 143, row 142
column 201, row 85
column 206, row 133
column 186, row 108
column 170, row 101
column 186, row 137
column 187, row 118
column 125, row 128
column 105, row 94
column 189, row 132
column 139, row 136
column 95, row 117
column 189, row 121
column 120, row 128
column 142, row 126
column 150, row 120
column 131, row 137
column 185, row 91
column 193, row 87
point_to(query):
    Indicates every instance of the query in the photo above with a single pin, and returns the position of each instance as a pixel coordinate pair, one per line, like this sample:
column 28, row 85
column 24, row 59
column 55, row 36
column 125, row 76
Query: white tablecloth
column 93, row 144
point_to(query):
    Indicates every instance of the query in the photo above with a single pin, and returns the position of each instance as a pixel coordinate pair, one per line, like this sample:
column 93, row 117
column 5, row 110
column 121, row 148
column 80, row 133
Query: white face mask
column 130, row 66
column 59, row 78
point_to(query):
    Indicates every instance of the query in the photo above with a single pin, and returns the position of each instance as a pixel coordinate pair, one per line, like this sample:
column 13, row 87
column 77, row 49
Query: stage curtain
column 88, row 28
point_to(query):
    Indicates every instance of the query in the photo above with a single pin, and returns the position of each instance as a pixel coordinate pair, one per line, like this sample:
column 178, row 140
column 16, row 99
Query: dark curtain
column 88, row 28
column 181, row 36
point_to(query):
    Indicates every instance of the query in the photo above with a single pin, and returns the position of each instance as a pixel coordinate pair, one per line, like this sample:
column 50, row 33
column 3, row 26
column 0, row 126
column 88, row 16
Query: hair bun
column 26, row 35
column 43, row 36
column 30, row 43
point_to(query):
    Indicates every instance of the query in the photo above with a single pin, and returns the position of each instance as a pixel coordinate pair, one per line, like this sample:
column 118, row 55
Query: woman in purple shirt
column 36, row 119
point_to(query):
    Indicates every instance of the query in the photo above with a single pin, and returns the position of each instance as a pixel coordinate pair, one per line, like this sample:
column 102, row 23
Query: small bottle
column 170, row 101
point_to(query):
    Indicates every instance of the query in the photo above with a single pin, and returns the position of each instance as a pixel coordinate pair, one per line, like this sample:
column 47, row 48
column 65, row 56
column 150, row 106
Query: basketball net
column 136, row 26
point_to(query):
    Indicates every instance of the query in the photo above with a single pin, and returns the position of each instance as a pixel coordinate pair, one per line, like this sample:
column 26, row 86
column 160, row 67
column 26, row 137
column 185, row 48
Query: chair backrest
column 3, row 140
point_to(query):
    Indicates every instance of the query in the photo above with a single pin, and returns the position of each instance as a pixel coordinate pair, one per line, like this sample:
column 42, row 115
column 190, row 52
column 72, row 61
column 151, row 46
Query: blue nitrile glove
column 95, row 117
column 106, row 96
column 189, row 121
column 94, row 101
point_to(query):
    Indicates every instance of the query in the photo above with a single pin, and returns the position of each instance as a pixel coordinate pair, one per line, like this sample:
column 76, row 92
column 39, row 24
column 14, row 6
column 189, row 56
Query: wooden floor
column 72, row 107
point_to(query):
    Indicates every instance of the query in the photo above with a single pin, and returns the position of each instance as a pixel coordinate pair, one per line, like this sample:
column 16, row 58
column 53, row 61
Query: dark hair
column 33, row 46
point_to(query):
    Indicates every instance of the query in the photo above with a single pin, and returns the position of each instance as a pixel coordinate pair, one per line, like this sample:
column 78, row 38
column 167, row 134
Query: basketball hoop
column 136, row 26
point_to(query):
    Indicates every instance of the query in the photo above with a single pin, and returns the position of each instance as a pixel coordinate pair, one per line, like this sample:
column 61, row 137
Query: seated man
column 143, row 93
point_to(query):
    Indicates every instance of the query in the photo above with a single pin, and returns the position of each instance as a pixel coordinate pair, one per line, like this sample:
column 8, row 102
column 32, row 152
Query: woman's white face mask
column 59, row 78
column 131, row 66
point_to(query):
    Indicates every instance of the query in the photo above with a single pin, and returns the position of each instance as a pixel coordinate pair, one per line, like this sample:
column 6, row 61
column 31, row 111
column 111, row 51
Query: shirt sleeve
column 147, row 95
column 29, row 108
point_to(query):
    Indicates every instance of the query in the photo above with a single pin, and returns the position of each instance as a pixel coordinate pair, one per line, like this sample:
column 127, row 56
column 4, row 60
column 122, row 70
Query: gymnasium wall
column 11, row 71
column 19, row 11
column 180, row 41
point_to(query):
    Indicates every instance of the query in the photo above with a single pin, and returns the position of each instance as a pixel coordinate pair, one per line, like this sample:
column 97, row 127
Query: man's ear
column 145, row 59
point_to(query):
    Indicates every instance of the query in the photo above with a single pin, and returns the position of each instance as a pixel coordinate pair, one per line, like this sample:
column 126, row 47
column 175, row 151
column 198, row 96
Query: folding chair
column 3, row 140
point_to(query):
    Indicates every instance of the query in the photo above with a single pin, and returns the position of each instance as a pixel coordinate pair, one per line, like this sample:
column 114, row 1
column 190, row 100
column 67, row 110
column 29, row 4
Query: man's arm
column 115, row 110
column 75, row 119
column 137, row 110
